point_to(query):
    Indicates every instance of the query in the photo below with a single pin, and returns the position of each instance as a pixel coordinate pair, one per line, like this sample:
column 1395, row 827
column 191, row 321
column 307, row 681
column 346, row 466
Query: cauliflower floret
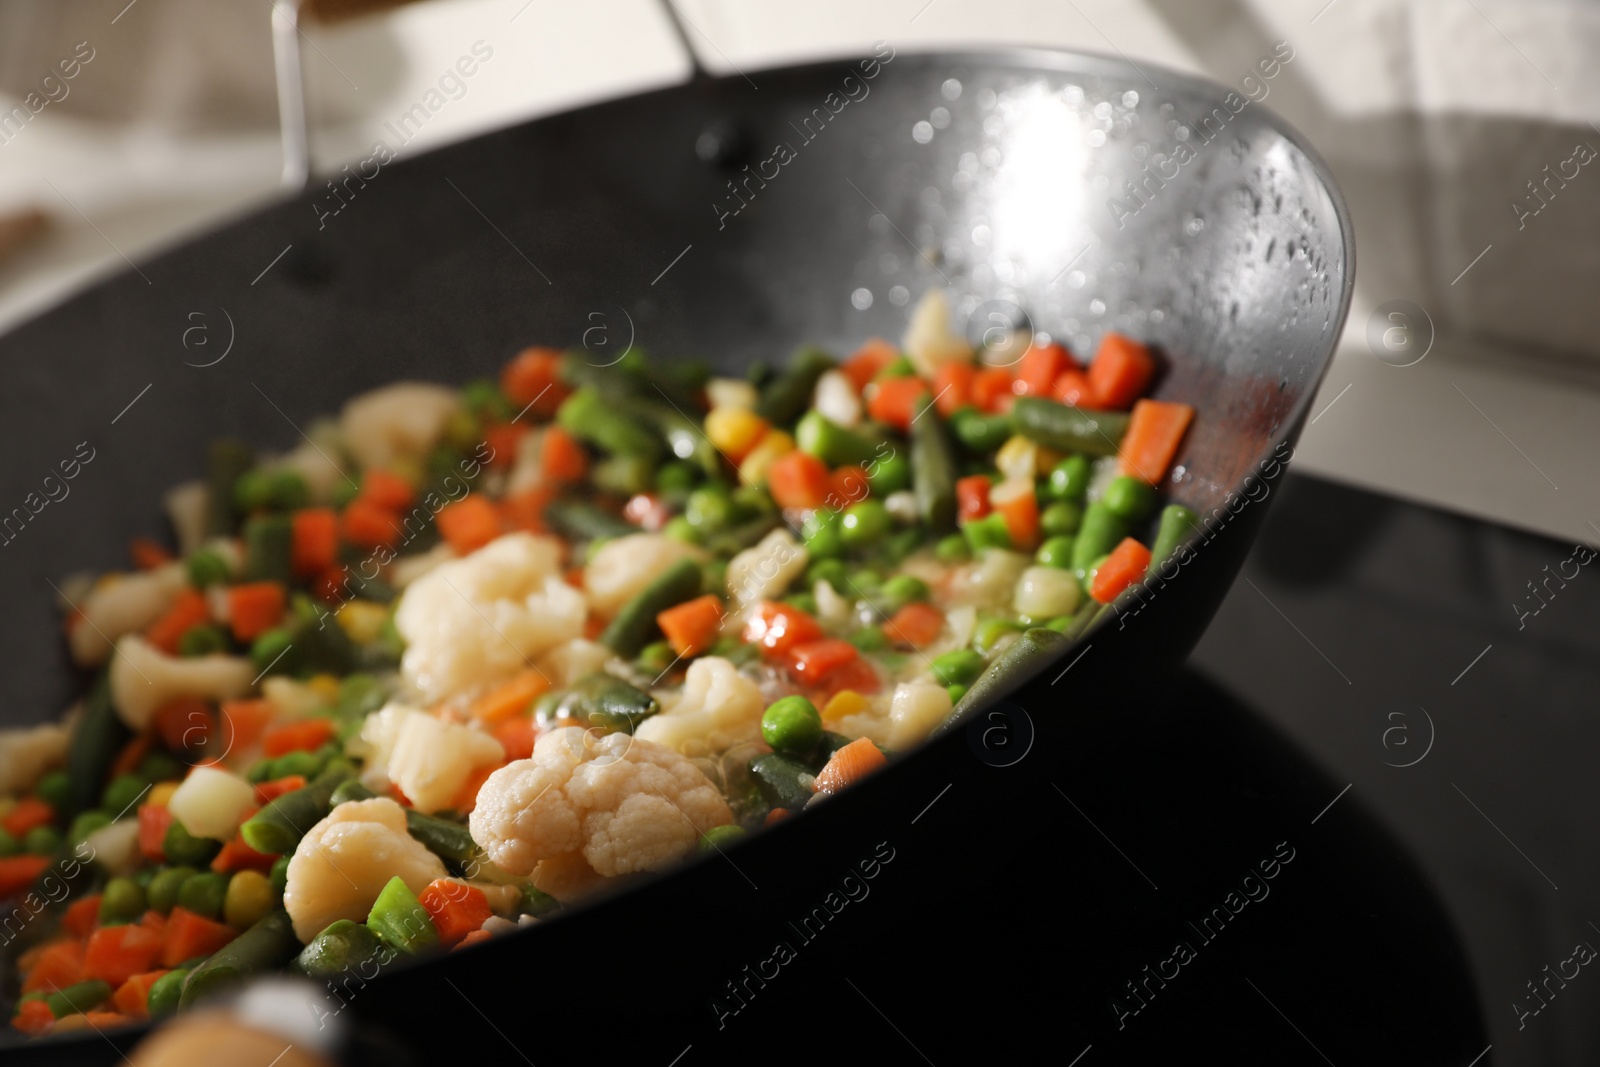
column 188, row 509
column 568, row 662
column 143, row 678
column 124, row 604
column 400, row 421
column 344, row 861
column 929, row 341
column 429, row 759
column 765, row 570
column 27, row 752
column 916, row 709
column 622, row 568
column 625, row 803
column 408, row 569
column 716, row 698
column 527, row 464
column 478, row 620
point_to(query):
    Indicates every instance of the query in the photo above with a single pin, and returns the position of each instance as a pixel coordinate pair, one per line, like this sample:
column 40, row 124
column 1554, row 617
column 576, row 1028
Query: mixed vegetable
column 467, row 655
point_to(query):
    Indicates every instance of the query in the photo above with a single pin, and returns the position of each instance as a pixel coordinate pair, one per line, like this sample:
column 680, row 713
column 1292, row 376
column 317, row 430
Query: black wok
column 999, row 175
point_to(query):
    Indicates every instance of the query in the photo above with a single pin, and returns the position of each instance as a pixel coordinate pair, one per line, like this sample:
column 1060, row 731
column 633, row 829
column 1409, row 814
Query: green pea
column 1056, row 552
column 86, row 824
column 121, row 901
column 956, row 693
column 959, row 666
column 904, row 589
column 296, row 762
column 656, row 657
column 679, row 476
column 1069, row 479
column 259, row 771
column 161, row 766
column 55, row 789
column 987, row 532
column 9, row 845
column 44, row 840
column 989, row 631
column 821, row 535
column 831, row 571
column 123, row 792
column 889, row 474
column 718, row 838
column 864, row 582
column 165, row 993
column 184, row 848
column 952, row 549
column 864, row 523
column 204, row 894
column 279, row 875
column 709, row 509
column 268, row 652
column 978, row 432
column 792, row 724
column 901, row 367
column 202, row 640
column 900, row 544
column 869, row 639
column 804, row 601
column 679, row 528
column 1130, row 499
column 162, row 893
column 1061, row 519
column 206, row 567
column 752, row 501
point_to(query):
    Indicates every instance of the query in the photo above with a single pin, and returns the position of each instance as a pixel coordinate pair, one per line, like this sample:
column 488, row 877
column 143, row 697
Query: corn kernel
column 735, row 431
column 161, row 793
column 361, row 621
column 753, row 471
column 843, row 703
column 325, row 686
column 1018, row 458
column 248, row 899
column 732, row 393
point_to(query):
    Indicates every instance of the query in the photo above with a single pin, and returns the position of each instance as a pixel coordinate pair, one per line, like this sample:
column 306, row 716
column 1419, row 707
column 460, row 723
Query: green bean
column 635, row 625
column 1085, row 618
column 226, row 461
column 1100, row 533
column 959, row 666
column 589, row 416
column 343, row 948
column 685, row 439
column 990, row 531
column 279, row 826
column 536, row 902
column 828, row 441
column 778, row 778
column 933, row 467
column 166, row 993
column 78, row 999
column 1176, row 525
column 266, row 946
column 45, row 840
column 96, row 741
column 607, row 702
column 1069, row 429
column 718, row 838
column 267, row 547
column 578, row 521
column 978, row 432
column 1030, row 648
column 202, row 640
column 1056, row 552
column 732, row 541
column 450, row 841
column 400, row 921
column 624, row 474
column 206, row 567
column 788, row 396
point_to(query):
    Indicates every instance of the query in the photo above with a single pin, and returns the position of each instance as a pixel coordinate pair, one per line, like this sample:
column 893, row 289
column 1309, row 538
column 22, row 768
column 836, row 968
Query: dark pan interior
column 1001, row 176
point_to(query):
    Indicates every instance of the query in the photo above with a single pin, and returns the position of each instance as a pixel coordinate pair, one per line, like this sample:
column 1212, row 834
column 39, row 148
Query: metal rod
column 293, row 121
column 680, row 29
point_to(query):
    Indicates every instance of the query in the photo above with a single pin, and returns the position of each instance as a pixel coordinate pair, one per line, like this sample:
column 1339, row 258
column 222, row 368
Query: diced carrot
column 952, row 386
column 561, row 457
column 812, row 662
column 466, row 797
column 691, row 627
column 798, row 480
column 517, row 737
column 1021, row 512
column 366, row 525
column 116, row 953
column 1072, row 388
column 1124, row 567
column 509, row 699
column 307, row 735
column 59, row 965
column 238, row 856
column 190, row 935
column 255, row 607
column 82, row 915
column 1152, row 438
column 33, row 1017
column 243, row 721
column 130, row 755
column 504, row 439
column 154, row 920
column 456, row 908
column 186, row 724
column 386, row 490
column 469, row 524
column 972, row 497
column 314, row 546
column 896, row 400
column 869, row 361
column 27, row 814
column 474, row 938
column 917, row 624
column 991, row 390
column 154, row 821
column 18, row 873
column 133, row 996
column 779, row 627
column 534, row 377
column 846, row 486
column 1121, row 372
column 849, row 765
column 267, row 792
column 147, row 554
column 776, row 815
column 189, row 609
column 858, row 675
column 1038, row 369
column 525, row 510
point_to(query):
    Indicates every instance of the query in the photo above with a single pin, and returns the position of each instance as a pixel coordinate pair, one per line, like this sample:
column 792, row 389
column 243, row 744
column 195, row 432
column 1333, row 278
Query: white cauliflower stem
column 398, row 421
column 344, row 861
column 716, row 698
column 478, row 620
column 124, row 604
column 27, row 752
column 626, row 804
column 143, row 678
column 428, row 758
